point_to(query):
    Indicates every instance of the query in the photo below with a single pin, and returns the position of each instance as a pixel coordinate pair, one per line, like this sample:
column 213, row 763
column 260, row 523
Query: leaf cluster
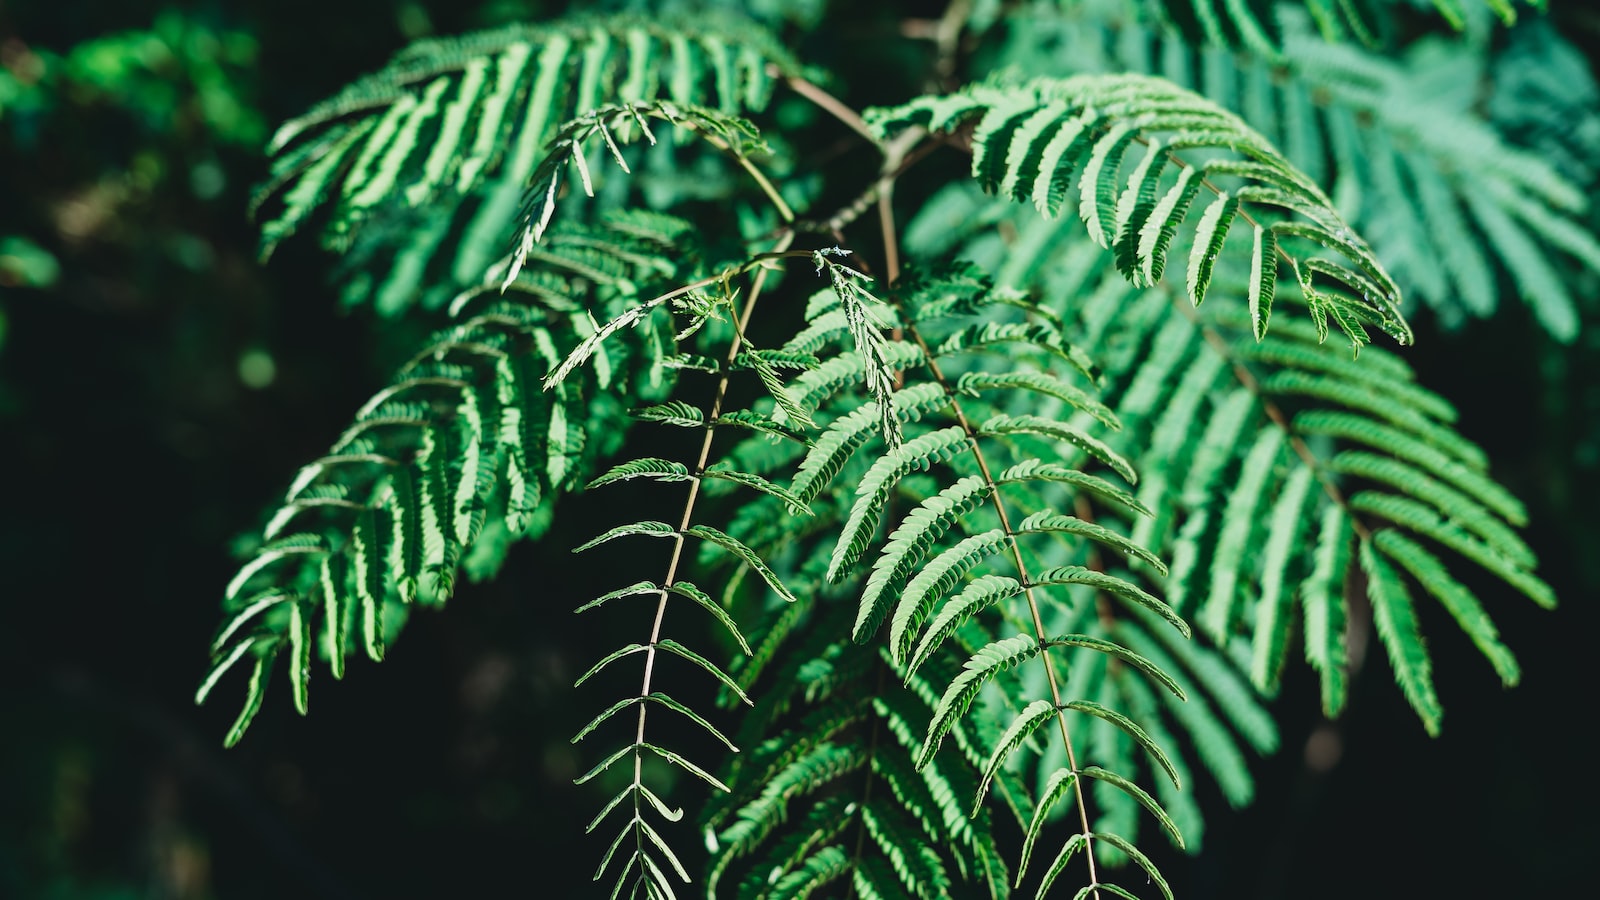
column 1001, row 526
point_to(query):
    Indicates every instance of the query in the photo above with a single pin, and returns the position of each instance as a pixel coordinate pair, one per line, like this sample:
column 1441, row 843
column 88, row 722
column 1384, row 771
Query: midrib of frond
column 1491, row 546
column 1035, row 618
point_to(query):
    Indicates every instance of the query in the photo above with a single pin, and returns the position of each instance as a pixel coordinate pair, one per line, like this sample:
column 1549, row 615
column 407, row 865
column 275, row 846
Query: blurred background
column 158, row 387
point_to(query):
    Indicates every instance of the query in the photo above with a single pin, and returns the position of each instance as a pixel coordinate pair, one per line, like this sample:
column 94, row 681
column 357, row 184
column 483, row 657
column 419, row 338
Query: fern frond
column 966, row 503
column 449, row 133
column 648, row 843
column 1213, row 502
column 459, row 456
column 1445, row 197
column 1032, row 139
column 846, row 434
column 1463, row 606
column 1025, row 472
column 918, row 453
column 908, row 547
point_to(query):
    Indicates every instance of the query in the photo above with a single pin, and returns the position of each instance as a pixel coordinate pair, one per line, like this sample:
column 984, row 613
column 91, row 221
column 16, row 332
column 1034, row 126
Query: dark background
column 159, row 388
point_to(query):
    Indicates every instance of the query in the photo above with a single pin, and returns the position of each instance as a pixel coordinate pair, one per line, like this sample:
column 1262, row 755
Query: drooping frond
column 461, row 455
column 1335, row 426
column 1142, row 154
column 1246, row 26
column 1224, row 723
column 1446, row 199
column 916, row 582
column 1304, row 452
column 422, row 165
column 642, row 866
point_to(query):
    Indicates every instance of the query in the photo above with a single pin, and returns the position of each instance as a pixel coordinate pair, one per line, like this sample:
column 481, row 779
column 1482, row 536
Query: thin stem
column 679, row 541
column 894, row 157
column 1033, row 604
column 694, row 488
column 760, row 177
column 830, row 103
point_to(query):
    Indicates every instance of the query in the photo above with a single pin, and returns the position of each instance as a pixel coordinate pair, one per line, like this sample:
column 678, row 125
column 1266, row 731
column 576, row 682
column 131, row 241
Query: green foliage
column 177, row 74
column 423, row 163
column 1401, row 139
column 999, row 531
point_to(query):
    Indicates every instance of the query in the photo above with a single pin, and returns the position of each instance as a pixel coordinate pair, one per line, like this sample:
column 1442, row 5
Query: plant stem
column 1033, row 605
column 781, row 247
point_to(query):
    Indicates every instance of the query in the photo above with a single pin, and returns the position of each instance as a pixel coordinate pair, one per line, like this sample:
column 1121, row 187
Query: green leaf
column 675, row 412
column 1432, row 461
column 1462, row 605
column 649, row 467
column 677, row 649
column 608, row 660
column 873, row 492
column 638, row 587
column 1110, row 584
column 254, row 693
column 1157, row 232
column 975, row 673
column 1263, row 279
column 605, row 716
column 668, row 702
column 646, row 529
column 1322, row 599
column 927, row 587
column 300, row 644
column 979, row 594
column 1068, row 850
column 1037, row 470
column 249, row 610
column 1453, row 505
column 1123, row 653
column 1416, row 517
column 972, row 383
column 909, row 545
column 1270, row 644
column 745, row 555
column 756, row 482
column 1060, row 431
column 654, row 837
column 1138, row 857
column 335, row 601
column 221, row 663
column 1046, row 522
column 1396, row 623
column 1024, row 725
column 1133, row 730
column 1237, row 538
column 678, row 760
column 846, row 434
column 1139, row 794
column 1209, row 237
